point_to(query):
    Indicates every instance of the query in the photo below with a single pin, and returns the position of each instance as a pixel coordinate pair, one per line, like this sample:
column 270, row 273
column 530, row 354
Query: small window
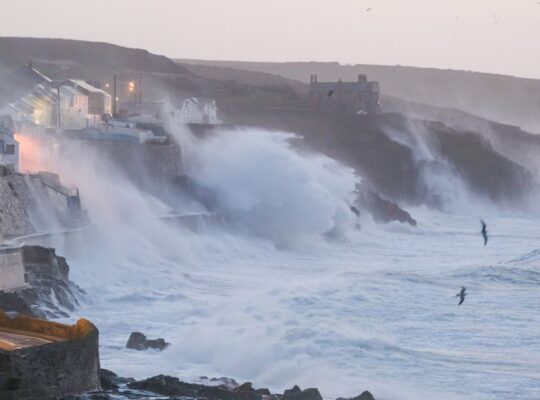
column 10, row 149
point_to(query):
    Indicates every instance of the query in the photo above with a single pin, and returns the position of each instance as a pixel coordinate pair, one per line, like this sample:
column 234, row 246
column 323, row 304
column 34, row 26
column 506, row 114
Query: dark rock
column 297, row 394
column 383, row 211
column 12, row 302
column 230, row 383
column 170, row 386
column 110, row 381
column 263, row 391
column 139, row 341
column 245, row 387
column 47, row 290
column 364, row 396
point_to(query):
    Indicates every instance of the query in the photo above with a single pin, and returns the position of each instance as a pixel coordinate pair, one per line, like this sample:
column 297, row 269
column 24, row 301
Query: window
column 10, row 149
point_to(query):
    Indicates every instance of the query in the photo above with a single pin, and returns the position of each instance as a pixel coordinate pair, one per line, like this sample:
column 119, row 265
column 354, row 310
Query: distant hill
column 506, row 99
column 60, row 58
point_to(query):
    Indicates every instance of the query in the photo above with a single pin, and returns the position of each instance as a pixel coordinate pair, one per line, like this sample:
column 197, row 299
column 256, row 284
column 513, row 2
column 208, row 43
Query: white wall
column 11, row 270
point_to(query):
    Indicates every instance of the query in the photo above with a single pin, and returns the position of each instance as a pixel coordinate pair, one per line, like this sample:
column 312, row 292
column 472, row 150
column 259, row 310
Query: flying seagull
column 330, row 92
column 484, row 231
column 461, row 295
column 368, row 9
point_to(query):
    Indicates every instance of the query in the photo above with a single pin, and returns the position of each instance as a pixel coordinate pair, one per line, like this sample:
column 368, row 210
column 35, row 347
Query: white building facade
column 195, row 110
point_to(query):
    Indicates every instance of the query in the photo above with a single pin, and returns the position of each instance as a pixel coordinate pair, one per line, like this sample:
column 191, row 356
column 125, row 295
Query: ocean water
column 288, row 291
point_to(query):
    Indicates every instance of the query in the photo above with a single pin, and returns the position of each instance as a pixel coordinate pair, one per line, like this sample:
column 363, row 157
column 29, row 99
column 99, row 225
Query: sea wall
column 34, row 203
column 69, row 365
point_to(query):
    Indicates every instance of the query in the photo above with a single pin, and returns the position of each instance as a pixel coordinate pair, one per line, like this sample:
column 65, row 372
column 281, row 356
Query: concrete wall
column 48, row 371
column 30, row 204
column 11, row 269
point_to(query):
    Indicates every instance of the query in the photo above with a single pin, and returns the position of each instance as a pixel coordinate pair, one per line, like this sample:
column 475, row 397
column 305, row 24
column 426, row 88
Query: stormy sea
column 287, row 286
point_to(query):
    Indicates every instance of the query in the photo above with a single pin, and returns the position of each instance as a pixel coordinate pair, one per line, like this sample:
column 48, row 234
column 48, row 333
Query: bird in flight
column 368, row 9
column 484, row 231
column 461, row 295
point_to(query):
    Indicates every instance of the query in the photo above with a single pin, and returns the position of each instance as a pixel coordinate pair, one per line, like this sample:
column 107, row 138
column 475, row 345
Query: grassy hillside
column 506, row 99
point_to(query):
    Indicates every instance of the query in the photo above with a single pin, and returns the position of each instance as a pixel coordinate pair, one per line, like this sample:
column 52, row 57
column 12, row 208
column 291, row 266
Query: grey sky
column 500, row 36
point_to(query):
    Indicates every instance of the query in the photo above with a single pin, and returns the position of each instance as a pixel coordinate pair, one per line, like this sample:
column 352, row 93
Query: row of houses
column 74, row 104
column 64, row 104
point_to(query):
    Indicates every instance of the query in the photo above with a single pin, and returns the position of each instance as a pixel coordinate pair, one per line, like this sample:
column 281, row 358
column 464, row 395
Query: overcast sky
column 501, row 36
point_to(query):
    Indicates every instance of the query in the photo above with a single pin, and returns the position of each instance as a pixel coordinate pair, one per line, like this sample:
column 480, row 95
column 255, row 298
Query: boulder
column 364, row 396
column 297, row 394
column 44, row 289
column 110, row 381
column 139, row 341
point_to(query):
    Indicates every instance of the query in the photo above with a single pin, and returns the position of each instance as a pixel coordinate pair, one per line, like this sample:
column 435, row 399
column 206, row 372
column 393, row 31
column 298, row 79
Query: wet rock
column 139, row 341
column 383, row 211
column 364, row 396
column 170, row 386
column 297, row 394
column 110, row 381
column 224, row 381
column 46, row 291
column 12, row 302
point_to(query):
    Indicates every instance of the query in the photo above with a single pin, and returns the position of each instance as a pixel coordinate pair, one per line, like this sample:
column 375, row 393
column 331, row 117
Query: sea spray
column 261, row 183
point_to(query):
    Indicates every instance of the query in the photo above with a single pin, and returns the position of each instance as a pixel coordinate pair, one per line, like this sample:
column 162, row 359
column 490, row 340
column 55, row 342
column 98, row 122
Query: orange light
column 32, row 153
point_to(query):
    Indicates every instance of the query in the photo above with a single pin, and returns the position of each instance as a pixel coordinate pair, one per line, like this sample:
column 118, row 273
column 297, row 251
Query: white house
column 196, row 110
column 9, row 147
column 73, row 108
column 99, row 101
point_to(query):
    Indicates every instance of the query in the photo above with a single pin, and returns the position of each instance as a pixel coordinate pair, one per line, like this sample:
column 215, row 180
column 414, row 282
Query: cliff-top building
column 360, row 97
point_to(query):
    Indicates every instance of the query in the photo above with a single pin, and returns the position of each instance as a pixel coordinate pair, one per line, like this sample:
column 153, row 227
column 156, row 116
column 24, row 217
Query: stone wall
column 69, row 366
column 32, row 203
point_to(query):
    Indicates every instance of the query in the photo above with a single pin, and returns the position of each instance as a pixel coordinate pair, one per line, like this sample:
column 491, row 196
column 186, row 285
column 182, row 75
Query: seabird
column 484, row 231
column 461, row 295
column 330, row 92
column 368, row 9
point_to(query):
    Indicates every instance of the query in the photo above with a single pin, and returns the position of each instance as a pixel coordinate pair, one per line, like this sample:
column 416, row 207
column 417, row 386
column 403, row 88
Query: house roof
column 199, row 101
column 79, row 83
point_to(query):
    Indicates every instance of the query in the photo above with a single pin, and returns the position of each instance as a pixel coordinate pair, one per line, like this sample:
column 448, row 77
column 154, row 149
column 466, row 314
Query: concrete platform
column 14, row 340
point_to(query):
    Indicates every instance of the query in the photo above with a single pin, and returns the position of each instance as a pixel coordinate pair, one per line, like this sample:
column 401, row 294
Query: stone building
column 360, row 97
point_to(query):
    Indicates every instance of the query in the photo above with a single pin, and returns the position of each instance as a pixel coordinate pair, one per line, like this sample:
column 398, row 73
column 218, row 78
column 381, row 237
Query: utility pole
column 139, row 90
column 114, row 96
column 58, row 107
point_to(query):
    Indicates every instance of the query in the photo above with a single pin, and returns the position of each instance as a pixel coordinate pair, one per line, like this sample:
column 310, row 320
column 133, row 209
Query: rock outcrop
column 139, row 341
column 171, row 388
column 364, row 396
column 382, row 211
column 36, row 282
